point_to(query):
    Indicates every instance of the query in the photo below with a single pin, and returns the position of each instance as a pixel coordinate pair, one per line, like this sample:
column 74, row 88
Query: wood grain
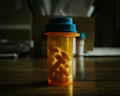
column 27, row 76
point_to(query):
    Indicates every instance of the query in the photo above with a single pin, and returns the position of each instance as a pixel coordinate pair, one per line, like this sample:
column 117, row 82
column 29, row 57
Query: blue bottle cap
column 60, row 24
column 82, row 35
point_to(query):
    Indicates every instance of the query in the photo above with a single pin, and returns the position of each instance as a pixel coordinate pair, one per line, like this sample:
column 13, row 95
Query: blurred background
column 22, row 23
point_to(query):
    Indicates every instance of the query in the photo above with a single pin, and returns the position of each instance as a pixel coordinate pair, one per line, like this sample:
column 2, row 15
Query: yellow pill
column 67, row 65
column 53, row 50
column 52, row 76
column 65, row 55
column 55, row 66
column 64, row 70
column 60, row 58
column 68, row 78
column 59, row 76
column 51, row 61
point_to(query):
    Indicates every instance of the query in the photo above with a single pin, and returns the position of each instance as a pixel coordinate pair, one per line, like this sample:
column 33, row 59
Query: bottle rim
column 71, row 34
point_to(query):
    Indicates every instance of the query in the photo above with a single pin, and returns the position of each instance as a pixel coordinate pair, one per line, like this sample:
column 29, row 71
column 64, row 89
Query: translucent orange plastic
column 60, row 55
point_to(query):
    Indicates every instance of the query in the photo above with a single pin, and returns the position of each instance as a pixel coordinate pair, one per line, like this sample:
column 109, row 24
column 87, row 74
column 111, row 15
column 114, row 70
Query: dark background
column 18, row 13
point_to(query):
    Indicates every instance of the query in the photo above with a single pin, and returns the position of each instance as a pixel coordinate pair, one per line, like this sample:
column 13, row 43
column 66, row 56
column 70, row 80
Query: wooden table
column 27, row 76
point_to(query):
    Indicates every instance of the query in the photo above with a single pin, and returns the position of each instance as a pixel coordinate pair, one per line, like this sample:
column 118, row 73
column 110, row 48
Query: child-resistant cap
column 60, row 24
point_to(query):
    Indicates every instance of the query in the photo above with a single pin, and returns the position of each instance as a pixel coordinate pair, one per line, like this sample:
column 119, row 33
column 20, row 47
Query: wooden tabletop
column 27, row 76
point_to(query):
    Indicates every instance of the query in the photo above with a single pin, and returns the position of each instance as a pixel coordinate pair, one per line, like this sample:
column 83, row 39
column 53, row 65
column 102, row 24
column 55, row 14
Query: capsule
column 60, row 58
column 64, row 70
column 52, row 76
column 55, row 67
column 67, row 65
column 65, row 55
column 54, row 50
column 59, row 76
column 68, row 78
column 51, row 61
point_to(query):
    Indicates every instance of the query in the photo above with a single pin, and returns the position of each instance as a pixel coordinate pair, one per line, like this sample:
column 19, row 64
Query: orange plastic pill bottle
column 60, row 32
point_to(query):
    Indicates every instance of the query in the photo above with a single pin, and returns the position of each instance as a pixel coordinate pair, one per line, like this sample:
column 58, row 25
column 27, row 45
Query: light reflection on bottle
column 82, row 68
column 80, row 73
column 74, row 68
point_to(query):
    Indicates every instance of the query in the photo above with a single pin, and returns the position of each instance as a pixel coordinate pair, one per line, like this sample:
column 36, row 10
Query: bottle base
column 59, row 83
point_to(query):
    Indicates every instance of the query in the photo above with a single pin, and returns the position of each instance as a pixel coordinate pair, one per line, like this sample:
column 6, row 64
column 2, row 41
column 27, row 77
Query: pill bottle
column 60, row 32
column 80, row 44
